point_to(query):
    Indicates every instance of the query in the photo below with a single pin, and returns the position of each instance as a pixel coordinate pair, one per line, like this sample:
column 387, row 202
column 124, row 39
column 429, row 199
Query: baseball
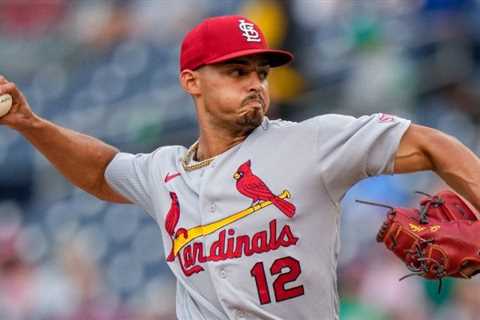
column 5, row 104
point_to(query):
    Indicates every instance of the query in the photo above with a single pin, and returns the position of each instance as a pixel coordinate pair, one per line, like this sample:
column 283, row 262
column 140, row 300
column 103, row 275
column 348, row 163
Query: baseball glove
column 441, row 239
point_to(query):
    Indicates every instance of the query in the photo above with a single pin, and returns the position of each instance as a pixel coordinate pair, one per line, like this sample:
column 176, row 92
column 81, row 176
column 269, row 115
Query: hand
column 20, row 115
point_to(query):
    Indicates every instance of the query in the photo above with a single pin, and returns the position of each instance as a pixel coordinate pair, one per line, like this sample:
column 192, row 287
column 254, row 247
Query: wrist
column 31, row 124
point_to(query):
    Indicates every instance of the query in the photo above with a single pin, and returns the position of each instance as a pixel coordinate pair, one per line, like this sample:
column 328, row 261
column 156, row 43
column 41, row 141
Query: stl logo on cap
column 248, row 31
column 218, row 39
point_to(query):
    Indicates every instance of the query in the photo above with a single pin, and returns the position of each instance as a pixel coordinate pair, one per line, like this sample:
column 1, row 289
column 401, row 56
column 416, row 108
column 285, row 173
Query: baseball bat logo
column 248, row 185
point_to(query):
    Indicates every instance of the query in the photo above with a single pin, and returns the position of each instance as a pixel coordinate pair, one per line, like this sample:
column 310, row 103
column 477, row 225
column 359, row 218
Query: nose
column 255, row 83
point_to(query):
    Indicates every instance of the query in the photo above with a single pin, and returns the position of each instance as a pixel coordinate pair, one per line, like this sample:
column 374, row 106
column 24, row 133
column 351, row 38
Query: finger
column 3, row 79
column 11, row 88
column 7, row 87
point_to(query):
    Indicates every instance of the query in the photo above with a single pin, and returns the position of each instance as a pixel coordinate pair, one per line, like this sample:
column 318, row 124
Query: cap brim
column 276, row 58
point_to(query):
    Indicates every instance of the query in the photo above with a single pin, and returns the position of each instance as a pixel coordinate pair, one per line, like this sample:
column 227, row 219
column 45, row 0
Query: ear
column 190, row 82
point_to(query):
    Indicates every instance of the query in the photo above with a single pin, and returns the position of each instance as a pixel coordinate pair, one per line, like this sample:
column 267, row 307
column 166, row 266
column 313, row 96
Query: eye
column 237, row 72
column 263, row 74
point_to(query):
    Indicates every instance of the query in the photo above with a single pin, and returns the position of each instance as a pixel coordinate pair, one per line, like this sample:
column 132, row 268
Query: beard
column 251, row 119
column 253, row 116
column 247, row 116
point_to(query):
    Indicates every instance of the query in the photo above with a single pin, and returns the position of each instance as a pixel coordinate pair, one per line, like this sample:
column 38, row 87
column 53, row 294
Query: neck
column 217, row 137
column 213, row 144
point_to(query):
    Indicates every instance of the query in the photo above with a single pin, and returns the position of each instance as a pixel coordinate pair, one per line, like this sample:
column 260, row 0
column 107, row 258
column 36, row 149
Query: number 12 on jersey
column 284, row 277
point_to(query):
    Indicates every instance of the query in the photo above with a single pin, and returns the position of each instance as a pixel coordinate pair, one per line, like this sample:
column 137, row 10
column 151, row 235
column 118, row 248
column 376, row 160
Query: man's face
column 235, row 93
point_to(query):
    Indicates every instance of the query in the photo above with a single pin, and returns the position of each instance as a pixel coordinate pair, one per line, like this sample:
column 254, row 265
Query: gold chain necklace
column 189, row 157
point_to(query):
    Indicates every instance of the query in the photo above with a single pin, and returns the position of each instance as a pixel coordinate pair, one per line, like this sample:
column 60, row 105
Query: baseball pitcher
column 250, row 212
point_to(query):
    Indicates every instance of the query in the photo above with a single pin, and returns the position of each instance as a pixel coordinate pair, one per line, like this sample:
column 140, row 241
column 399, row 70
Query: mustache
column 253, row 97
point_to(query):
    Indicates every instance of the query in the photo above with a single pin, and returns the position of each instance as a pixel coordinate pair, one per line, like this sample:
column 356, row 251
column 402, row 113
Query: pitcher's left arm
column 424, row 148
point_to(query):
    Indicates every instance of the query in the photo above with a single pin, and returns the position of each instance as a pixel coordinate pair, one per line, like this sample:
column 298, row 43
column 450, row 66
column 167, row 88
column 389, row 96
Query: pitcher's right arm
column 81, row 159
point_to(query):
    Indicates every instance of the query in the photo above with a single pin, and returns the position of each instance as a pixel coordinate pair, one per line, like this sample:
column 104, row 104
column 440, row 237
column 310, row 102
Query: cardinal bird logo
column 171, row 222
column 254, row 188
column 229, row 246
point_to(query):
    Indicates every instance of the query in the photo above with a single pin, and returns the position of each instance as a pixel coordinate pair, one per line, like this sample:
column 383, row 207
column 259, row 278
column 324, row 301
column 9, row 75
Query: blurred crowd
column 109, row 69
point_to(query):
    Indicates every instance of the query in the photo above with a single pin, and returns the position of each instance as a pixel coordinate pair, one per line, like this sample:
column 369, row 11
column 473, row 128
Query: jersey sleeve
column 352, row 149
column 128, row 174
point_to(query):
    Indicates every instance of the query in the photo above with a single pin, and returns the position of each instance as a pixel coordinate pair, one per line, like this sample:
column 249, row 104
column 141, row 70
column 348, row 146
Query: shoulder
column 161, row 155
column 331, row 123
column 168, row 152
column 333, row 120
column 165, row 157
column 323, row 123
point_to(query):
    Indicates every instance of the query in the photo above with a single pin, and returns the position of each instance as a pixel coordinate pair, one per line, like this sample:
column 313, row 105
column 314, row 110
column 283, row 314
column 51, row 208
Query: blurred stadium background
column 109, row 69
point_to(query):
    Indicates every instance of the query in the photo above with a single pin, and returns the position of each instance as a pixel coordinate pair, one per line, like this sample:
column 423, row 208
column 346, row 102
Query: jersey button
column 213, row 207
column 223, row 274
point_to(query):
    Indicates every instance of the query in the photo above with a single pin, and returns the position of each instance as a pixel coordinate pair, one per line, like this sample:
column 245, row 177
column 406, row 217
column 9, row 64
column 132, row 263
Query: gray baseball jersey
column 255, row 235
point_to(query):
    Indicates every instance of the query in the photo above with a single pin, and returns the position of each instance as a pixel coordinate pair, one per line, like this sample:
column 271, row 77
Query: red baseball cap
column 219, row 39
